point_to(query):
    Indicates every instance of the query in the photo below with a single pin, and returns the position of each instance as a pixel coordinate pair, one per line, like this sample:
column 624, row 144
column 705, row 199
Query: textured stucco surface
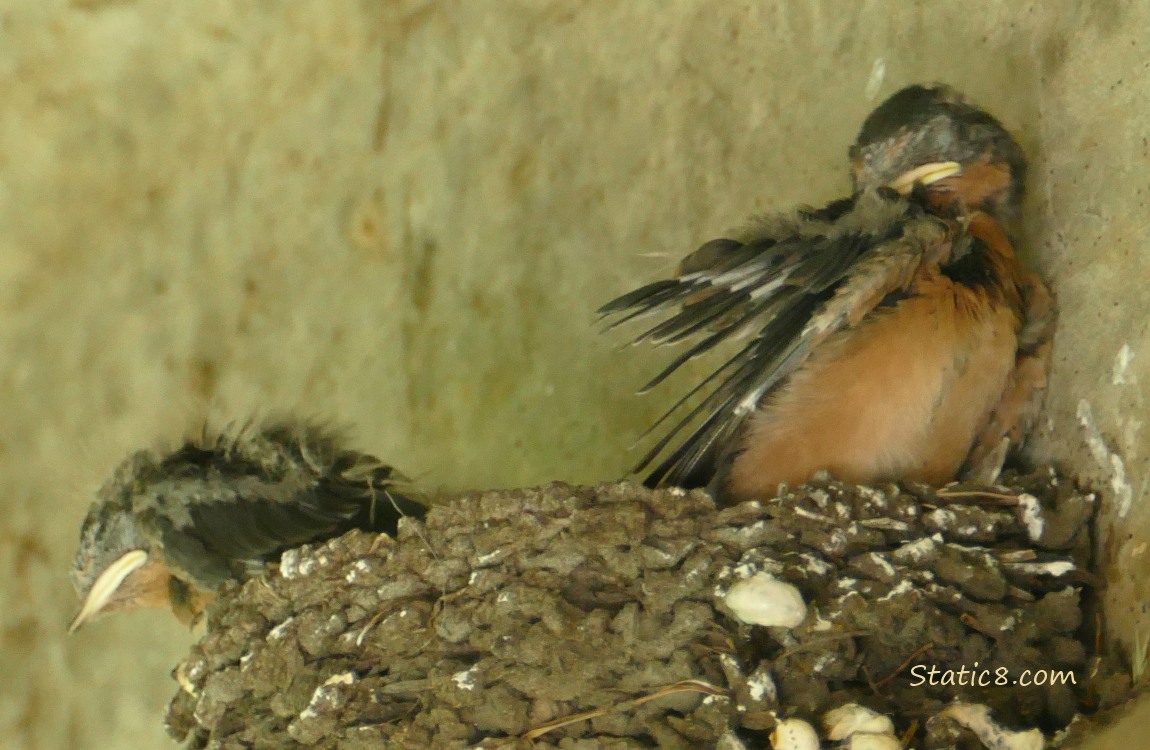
column 400, row 214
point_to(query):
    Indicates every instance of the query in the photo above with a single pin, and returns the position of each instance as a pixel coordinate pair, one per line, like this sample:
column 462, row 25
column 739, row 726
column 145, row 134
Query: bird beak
column 106, row 585
column 926, row 174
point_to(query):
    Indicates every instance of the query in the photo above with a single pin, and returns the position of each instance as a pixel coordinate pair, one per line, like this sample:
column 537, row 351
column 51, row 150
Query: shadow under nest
column 583, row 617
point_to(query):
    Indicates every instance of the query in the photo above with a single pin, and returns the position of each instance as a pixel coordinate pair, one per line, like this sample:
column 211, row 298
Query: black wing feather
column 785, row 287
column 236, row 502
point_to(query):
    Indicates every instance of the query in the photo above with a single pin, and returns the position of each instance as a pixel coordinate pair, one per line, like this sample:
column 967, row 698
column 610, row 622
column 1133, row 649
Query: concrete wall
column 401, row 214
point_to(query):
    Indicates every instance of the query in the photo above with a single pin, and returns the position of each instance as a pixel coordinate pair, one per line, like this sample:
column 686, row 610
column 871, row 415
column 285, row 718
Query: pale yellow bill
column 926, row 174
column 106, row 585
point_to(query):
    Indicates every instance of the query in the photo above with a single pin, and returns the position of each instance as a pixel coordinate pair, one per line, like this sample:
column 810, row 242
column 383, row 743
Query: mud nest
column 618, row 617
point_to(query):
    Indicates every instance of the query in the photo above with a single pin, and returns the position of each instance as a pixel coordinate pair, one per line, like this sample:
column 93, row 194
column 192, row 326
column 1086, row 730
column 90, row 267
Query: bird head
column 930, row 139
column 114, row 569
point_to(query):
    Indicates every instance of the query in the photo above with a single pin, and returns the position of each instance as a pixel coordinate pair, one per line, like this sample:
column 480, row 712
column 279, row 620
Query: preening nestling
column 891, row 335
column 170, row 528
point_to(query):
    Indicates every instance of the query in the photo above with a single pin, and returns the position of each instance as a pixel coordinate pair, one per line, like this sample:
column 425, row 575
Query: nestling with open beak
column 891, row 335
column 170, row 529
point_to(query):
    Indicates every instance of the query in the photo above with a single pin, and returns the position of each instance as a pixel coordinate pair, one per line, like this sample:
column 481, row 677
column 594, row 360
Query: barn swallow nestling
column 169, row 529
column 891, row 335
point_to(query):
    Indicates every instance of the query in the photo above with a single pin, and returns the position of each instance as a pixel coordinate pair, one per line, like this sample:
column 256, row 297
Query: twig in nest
column 1004, row 499
column 686, row 686
column 906, row 662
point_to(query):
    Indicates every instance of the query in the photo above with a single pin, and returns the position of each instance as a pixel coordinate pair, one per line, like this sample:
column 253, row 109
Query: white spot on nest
column 1108, row 461
column 1122, row 361
column 801, row 513
column 877, row 498
column 765, row 600
column 326, row 695
column 1030, row 513
column 278, row 631
column 503, row 597
column 289, row 561
column 941, row 517
column 360, row 566
column 489, row 558
column 851, row 718
column 794, row 734
column 820, row 497
column 993, row 736
column 471, row 579
column 464, row 680
column 882, row 563
column 1054, row 568
column 815, row 565
column 904, row 586
column 821, row 623
column 847, row 583
column 761, row 686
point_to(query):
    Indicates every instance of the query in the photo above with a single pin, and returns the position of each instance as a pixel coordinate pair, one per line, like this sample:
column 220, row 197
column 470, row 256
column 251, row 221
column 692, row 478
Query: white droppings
column 823, row 662
column 765, row 600
column 278, row 631
column 471, row 579
column 802, row 513
column 820, row 497
column 821, row 624
column 503, row 598
column 851, row 718
column 326, row 696
column 883, row 564
column 1122, row 361
column 1107, row 460
column 816, row 565
column 361, row 566
column 838, row 540
column 1030, row 514
column 942, row 518
column 464, row 680
column 489, row 558
column 993, row 736
column 1054, row 568
column 245, row 660
column 847, row 584
column 904, row 586
column 289, row 562
column 761, row 687
column 876, row 497
column 794, row 734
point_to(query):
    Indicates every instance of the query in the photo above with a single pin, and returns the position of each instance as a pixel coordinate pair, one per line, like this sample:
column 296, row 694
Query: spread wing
column 784, row 287
column 226, row 506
